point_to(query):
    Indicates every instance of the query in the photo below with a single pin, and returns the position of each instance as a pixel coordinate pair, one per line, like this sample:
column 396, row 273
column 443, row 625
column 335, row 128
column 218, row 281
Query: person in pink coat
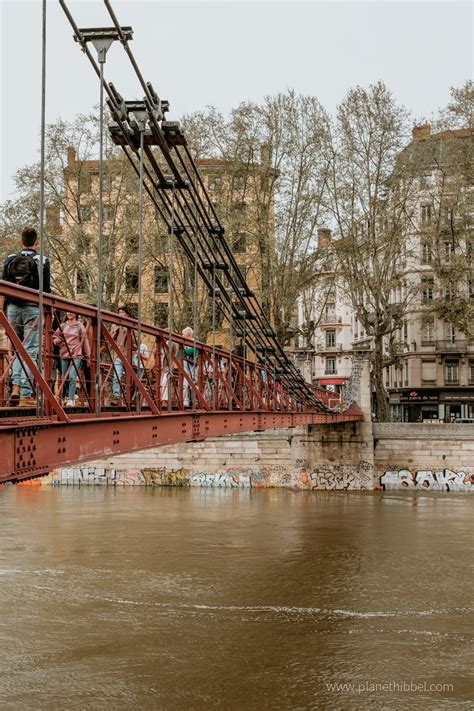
column 73, row 349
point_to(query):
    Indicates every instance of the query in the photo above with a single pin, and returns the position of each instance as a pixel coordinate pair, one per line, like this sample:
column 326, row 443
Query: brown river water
column 235, row 599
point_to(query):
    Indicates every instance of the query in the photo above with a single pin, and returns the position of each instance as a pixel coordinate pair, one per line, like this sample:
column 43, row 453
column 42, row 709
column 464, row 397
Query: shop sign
column 457, row 397
column 419, row 396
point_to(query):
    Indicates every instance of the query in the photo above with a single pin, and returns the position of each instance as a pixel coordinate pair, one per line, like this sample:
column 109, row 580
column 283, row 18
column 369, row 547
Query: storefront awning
column 332, row 381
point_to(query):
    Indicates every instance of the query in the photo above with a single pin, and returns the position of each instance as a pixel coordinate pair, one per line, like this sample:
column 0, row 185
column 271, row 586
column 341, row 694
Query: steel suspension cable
column 40, row 399
column 170, row 296
column 214, row 369
column 100, row 244
column 140, row 266
column 195, row 307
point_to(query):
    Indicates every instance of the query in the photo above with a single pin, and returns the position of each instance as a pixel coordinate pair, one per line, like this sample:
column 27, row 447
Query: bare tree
column 370, row 196
column 71, row 197
column 272, row 197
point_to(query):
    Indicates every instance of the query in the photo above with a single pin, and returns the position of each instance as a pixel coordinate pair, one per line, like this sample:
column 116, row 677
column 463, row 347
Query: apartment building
column 433, row 379
column 232, row 192
column 324, row 356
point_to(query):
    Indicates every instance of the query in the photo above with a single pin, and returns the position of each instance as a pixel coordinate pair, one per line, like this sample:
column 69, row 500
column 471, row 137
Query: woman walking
column 73, row 348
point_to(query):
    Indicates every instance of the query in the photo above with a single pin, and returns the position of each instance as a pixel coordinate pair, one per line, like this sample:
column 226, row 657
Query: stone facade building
column 433, row 379
column 432, row 376
column 232, row 193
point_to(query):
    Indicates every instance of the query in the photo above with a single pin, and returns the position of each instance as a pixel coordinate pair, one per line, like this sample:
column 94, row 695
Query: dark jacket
column 46, row 272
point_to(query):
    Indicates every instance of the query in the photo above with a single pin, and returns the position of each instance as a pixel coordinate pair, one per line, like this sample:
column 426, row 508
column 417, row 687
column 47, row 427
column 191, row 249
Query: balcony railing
column 449, row 346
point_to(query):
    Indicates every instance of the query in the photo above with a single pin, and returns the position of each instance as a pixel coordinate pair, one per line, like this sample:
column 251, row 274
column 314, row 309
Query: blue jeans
column 24, row 320
column 69, row 382
column 118, row 372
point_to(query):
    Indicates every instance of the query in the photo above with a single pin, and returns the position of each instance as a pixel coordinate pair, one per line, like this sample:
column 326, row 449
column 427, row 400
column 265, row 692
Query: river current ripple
column 234, row 599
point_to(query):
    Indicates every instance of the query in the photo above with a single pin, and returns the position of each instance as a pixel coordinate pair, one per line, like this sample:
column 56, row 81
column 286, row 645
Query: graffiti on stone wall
column 166, row 477
column 342, row 478
column 92, row 476
column 327, row 478
column 431, row 479
column 255, row 478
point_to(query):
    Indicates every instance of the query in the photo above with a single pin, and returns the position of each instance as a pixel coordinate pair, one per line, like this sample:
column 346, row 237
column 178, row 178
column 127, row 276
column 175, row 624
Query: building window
column 161, row 315
column 448, row 217
column 330, row 339
column 85, row 213
column 428, row 371
column 238, row 208
column 106, row 182
column 448, row 250
column 330, row 312
column 161, row 280
column 428, row 332
column 240, row 243
column 405, row 331
column 426, row 181
column 215, row 183
column 426, row 255
column 108, row 213
column 330, row 366
column 84, row 183
column 238, row 182
column 452, row 372
column 471, row 372
column 406, row 374
column 131, row 280
column 131, row 211
column 426, row 214
column 131, row 240
column 84, row 244
column 82, row 281
column 450, row 333
column 427, row 288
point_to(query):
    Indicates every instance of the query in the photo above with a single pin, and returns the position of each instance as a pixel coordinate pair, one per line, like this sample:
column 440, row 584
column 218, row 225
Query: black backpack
column 23, row 270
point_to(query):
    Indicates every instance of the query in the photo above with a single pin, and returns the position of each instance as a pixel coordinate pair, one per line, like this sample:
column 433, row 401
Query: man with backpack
column 22, row 268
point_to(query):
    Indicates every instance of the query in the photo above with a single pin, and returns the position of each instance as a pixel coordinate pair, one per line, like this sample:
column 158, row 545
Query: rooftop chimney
column 71, row 155
column 421, row 132
column 324, row 237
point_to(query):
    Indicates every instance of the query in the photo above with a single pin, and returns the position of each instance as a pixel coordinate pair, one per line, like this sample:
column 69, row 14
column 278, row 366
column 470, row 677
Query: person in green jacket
column 190, row 365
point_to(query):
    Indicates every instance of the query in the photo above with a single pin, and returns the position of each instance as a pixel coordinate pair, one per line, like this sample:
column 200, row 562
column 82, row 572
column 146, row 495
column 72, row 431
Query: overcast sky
column 220, row 53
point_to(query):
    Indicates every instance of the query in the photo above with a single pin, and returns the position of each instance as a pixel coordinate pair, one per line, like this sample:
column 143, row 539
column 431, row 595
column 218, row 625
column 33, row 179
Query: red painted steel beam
column 34, row 447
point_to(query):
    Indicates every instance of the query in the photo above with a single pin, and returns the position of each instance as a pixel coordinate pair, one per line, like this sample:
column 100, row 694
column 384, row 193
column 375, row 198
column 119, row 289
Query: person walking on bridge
column 22, row 268
column 74, row 349
column 189, row 357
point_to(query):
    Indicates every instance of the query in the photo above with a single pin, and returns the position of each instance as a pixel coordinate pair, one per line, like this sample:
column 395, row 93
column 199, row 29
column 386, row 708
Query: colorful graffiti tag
column 433, row 480
column 327, row 478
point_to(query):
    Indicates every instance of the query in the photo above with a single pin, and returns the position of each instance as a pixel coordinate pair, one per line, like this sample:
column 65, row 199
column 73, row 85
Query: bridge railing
column 329, row 398
column 161, row 374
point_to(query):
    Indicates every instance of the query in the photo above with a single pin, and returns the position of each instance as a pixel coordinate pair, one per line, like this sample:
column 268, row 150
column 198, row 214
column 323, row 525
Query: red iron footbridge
column 227, row 394
column 165, row 395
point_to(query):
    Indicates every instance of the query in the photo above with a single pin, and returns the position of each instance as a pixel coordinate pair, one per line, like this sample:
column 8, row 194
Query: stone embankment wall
column 416, row 456
column 345, row 457
column 325, row 458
